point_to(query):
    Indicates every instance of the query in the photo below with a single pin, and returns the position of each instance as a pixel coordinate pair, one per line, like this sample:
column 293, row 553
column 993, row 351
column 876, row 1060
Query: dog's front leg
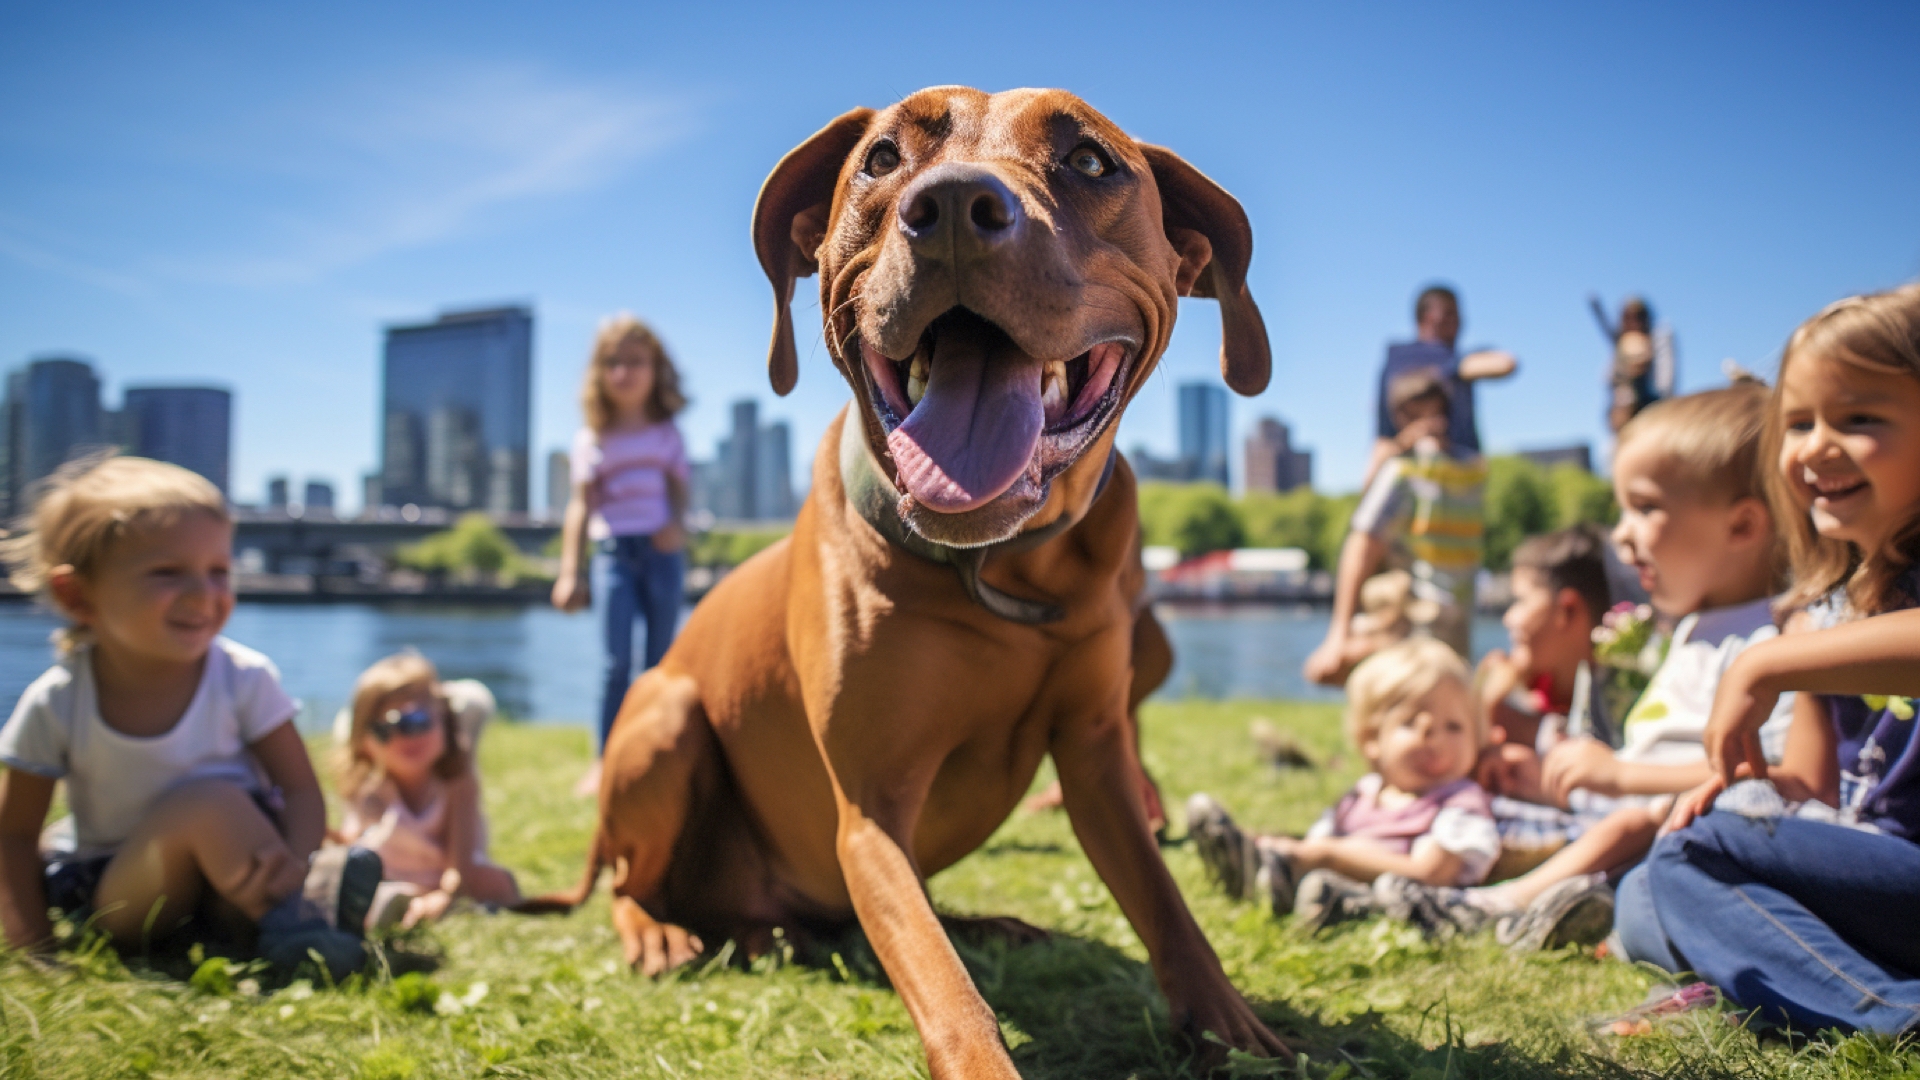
column 957, row 1029
column 1095, row 758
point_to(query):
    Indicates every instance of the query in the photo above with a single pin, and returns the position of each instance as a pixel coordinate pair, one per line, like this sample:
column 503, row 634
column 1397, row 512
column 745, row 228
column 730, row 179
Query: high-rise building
column 1272, row 462
column 559, row 483
column 772, row 476
column 52, row 415
column 277, row 492
column 189, row 426
column 751, row 477
column 1203, row 431
column 457, row 408
column 319, row 496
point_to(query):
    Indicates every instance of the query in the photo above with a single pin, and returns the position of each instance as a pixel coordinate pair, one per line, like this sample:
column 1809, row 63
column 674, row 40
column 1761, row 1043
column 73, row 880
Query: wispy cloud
column 387, row 165
column 17, row 244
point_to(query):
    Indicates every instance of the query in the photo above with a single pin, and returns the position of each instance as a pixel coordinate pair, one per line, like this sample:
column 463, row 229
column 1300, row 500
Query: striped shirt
column 1429, row 505
column 626, row 476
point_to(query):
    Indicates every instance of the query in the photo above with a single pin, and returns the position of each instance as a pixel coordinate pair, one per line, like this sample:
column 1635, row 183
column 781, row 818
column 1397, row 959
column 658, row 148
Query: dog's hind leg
column 662, row 761
column 1152, row 662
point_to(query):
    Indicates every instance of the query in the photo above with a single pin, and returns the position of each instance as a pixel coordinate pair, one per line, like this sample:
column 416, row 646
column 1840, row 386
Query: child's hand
column 1324, row 663
column 1691, row 804
column 1732, row 738
column 1579, row 763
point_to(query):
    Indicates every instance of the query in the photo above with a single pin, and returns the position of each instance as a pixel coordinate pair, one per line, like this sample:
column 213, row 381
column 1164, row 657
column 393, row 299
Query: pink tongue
column 975, row 430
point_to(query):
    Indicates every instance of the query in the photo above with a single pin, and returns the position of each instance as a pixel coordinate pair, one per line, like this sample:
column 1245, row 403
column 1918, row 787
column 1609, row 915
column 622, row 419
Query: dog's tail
column 559, row 903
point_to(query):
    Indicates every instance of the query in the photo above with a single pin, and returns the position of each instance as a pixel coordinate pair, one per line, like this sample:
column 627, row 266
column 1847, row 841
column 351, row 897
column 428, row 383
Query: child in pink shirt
column 1418, row 813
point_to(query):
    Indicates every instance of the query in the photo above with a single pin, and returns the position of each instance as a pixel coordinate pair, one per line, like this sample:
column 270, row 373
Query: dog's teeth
column 1053, row 388
column 917, row 378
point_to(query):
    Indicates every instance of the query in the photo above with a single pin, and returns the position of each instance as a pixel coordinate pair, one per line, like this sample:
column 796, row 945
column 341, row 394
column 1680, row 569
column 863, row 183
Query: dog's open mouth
column 970, row 414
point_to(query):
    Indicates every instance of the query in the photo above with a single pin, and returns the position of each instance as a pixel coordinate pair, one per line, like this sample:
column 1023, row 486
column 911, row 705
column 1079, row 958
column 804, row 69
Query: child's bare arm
column 1879, row 655
column 1591, row 764
column 1364, row 860
column 304, row 821
column 24, row 799
column 463, row 821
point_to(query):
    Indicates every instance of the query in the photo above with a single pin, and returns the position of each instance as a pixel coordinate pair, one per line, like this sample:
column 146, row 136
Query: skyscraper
column 1272, row 462
column 751, row 477
column 319, row 496
column 189, row 426
column 52, row 415
column 559, row 483
column 457, row 407
column 1203, row 431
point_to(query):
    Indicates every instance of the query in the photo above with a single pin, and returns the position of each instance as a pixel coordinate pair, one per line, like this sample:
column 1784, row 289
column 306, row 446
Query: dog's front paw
column 1220, row 1011
column 661, row 948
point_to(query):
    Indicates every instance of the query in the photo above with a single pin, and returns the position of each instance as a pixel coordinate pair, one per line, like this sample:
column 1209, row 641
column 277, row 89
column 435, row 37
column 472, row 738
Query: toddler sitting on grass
column 406, row 772
column 1418, row 813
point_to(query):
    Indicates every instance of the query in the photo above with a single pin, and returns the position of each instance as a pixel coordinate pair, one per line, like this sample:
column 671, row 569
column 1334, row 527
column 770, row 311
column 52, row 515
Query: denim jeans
column 1811, row 923
column 631, row 580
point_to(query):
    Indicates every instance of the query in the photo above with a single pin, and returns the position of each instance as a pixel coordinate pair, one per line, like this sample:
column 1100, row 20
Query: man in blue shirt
column 1436, row 316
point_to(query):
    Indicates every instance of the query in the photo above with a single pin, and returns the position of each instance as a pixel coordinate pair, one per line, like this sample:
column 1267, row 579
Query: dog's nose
column 966, row 206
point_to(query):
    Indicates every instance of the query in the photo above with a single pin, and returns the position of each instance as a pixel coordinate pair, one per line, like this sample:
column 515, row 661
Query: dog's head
column 999, row 275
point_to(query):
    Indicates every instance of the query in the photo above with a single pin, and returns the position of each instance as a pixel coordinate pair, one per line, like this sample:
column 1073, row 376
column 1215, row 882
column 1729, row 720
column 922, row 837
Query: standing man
column 1436, row 317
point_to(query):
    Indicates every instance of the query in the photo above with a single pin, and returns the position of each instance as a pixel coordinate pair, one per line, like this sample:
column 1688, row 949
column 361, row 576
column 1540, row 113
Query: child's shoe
column 1438, row 910
column 1274, row 878
column 1577, row 911
column 341, row 883
column 1230, row 855
column 1325, row 897
column 297, row 931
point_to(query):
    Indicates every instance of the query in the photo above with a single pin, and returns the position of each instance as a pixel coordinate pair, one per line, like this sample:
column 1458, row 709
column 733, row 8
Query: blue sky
column 241, row 195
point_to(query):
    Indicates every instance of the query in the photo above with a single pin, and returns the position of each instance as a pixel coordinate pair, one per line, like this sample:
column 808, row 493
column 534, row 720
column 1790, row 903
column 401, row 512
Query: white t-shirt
column 1666, row 725
column 112, row 779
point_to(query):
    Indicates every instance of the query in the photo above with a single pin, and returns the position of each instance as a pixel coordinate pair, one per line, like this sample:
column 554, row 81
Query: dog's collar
column 877, row 502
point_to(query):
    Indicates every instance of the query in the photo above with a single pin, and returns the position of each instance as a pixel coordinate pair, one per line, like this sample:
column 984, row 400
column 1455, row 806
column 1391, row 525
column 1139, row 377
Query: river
column 543, row 665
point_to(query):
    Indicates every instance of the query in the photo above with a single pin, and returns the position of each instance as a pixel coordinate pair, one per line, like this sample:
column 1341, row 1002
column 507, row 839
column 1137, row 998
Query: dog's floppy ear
column 1209, row 229
column 790, row 221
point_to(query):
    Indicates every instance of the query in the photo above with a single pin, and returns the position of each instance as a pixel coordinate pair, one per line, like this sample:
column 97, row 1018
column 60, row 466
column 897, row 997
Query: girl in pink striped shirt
column 630, row 482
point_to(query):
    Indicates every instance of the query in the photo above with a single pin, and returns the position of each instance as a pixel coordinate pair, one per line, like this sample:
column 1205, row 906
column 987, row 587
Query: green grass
column 508, row 997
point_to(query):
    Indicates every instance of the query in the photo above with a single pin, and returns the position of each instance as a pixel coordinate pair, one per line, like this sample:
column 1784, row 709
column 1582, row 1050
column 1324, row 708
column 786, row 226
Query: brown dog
column 860, row 706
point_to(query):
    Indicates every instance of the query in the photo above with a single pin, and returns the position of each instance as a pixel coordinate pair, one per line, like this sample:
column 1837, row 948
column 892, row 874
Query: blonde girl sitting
column 1418, row 813
column 190, row 790
column 407, row 774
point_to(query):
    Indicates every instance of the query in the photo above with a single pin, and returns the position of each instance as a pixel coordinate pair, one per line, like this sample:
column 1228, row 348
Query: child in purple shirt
column 1418, row 813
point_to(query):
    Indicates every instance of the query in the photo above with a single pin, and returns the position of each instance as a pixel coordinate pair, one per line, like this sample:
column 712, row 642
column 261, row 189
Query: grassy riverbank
column 514, row 997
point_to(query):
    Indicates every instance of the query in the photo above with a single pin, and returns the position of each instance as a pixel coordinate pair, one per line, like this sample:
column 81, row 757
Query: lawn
column 499, row 995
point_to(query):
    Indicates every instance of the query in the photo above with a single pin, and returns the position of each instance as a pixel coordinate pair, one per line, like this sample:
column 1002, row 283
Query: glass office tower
column 457, row 408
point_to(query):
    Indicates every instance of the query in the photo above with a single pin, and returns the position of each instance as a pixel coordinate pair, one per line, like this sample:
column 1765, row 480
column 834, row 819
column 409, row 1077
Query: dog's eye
column 882, row 159
column 1088, row 160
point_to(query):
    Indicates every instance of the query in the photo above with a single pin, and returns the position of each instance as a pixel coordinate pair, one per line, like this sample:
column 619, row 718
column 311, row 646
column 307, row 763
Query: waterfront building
column 457, row 410
column 319, row 496
column 559, row 483
column 188, row 426
column 277, row 492
column 751, row 476
column 1203, row 431
column 1272, row 462
column 1578, row 455
column 773, row 479
column 52, row 414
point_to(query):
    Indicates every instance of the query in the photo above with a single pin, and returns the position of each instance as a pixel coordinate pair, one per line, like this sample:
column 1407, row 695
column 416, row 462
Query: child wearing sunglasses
column 408, row 777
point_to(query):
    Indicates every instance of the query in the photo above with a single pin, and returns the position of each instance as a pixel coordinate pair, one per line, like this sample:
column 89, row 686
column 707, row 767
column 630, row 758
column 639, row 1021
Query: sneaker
column 1230, row 855
column 341, row 883
column 1325, row 897
column 1274, row 879
column 296, row 933
column 1438, row 910
column 1577, row 911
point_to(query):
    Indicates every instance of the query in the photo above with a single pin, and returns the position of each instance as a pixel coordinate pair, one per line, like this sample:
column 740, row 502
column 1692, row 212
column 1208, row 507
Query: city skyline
column 247, row 201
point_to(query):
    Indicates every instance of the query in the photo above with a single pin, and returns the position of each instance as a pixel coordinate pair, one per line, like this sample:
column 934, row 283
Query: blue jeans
column 631, row 580
column 1808, row 922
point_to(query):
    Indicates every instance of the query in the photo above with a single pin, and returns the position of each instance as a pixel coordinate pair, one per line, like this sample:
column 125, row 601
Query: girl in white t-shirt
column 407, row 775
column 630, row 481
column 190, row 789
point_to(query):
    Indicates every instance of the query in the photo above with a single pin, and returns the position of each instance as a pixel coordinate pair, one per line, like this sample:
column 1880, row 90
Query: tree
column 1519, row 504
column 1297, row 519
column 474, row 547
column 1579, row 496
column 1196, row 518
